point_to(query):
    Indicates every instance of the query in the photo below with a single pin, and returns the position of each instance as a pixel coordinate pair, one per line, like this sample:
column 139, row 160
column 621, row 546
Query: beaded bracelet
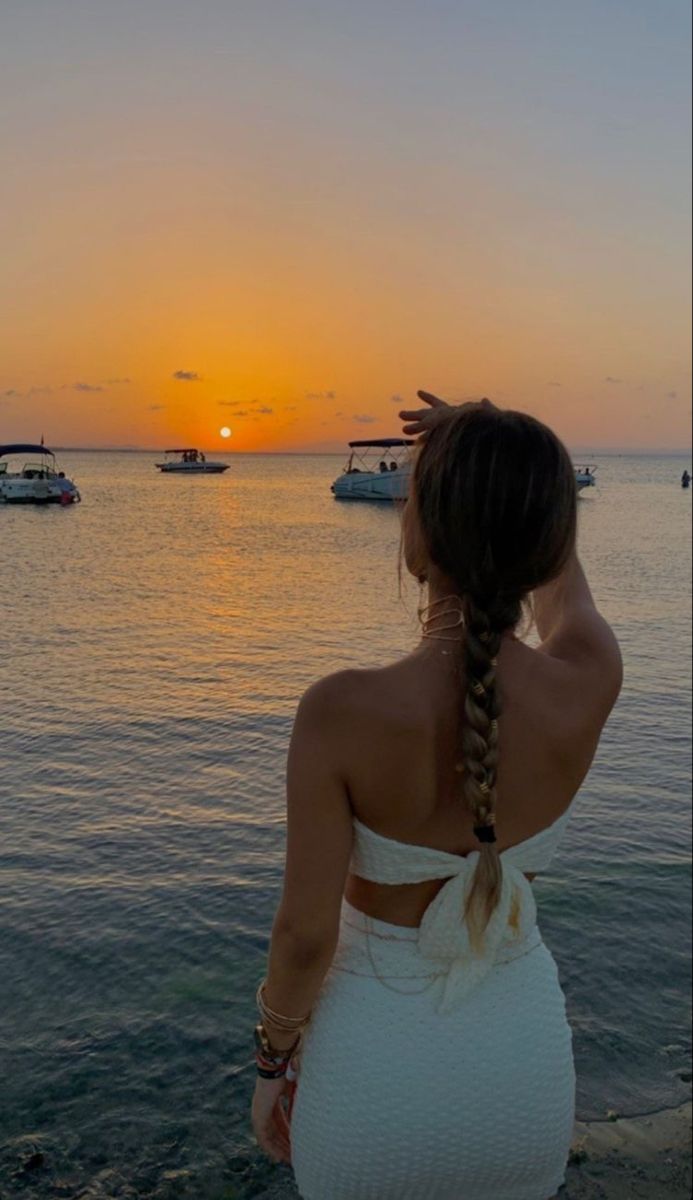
column 272, row 1063
column 267, row 1068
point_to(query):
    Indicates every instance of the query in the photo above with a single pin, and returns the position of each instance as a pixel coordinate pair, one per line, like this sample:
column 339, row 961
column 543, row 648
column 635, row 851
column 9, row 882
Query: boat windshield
column 37, row 470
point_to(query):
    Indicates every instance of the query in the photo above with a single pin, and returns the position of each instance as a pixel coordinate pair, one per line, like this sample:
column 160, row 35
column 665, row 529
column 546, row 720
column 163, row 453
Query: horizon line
column 580, row 451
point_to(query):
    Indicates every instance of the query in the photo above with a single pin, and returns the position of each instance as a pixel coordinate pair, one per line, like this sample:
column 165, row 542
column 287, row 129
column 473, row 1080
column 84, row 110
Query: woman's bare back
column 397, row 743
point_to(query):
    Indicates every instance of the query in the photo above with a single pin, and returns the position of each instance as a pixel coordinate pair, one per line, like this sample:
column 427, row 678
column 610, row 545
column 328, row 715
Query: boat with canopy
column 376, row 469
column 38, row 481
column 189, row 461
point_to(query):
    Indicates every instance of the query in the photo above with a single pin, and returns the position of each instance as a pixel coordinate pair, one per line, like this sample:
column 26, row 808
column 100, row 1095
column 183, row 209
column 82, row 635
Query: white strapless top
column 443, row 933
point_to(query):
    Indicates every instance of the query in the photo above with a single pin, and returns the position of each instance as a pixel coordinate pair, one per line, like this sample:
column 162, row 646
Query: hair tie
column 485, row 834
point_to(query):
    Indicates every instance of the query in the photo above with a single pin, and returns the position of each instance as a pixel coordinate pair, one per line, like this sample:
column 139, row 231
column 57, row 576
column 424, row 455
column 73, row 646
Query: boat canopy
column 184, row 450
column 24, row 448
column 383, row 443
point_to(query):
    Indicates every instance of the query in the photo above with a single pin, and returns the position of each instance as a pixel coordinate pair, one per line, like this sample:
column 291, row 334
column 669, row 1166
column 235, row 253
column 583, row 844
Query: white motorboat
column 189, row 462
column 377, row 469
column 584, row 477
column 38, row 482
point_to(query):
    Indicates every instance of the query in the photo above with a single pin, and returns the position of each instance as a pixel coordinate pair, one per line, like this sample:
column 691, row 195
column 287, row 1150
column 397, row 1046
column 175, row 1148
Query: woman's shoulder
column 351, row 700
column 340, row 690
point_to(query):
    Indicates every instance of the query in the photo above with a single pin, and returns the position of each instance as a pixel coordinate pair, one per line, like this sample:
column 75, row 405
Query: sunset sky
column 282, row 215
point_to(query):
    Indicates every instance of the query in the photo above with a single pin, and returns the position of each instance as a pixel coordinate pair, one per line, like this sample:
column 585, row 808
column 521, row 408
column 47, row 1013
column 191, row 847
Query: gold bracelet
column 287, row 1024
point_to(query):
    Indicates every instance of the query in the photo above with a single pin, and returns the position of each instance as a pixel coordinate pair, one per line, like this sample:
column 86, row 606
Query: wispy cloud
column 187, row 376
column 612, row 379
column 80, row 386
column 291, row 408
column 321, row 395
column 555, row 383
column 156, row 407
column 672, row 395
column 241, row 408
column 14, row 394
column 363, row 418
column 397, row 399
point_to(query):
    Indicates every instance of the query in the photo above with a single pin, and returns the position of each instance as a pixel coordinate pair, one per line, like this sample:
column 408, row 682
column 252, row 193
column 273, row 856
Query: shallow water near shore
column 157, row 639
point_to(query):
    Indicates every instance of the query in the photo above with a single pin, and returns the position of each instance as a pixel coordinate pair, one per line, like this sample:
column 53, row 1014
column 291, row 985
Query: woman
column 423, row 798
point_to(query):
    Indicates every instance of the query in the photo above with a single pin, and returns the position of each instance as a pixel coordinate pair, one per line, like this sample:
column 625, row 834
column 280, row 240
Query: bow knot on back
column 444, row 932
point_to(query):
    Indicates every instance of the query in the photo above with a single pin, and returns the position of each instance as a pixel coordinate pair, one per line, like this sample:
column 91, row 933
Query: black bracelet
column 275, row 1073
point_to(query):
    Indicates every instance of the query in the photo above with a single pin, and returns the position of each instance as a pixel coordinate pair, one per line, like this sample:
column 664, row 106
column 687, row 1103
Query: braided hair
column 494, row 502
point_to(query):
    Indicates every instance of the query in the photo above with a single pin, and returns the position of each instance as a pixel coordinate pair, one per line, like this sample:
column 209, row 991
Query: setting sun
column 225, row 432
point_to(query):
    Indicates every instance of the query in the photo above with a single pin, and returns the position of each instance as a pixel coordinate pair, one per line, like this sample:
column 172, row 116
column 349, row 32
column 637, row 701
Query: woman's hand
column 270, row 1121
column 422, row 420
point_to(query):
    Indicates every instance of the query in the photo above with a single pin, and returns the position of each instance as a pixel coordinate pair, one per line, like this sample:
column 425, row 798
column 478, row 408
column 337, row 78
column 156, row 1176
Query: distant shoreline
column 223, row 453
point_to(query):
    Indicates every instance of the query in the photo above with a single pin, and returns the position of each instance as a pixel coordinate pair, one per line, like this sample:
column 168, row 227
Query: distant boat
column 38, row 482
column 377, row 469
column 190, row 462
column 584, row 477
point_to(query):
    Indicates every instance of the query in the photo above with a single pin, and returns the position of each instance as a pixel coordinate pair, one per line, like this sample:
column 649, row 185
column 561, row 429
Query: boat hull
column 373, row 485
column 208, row 468
column 583, row 481
column 37, row 491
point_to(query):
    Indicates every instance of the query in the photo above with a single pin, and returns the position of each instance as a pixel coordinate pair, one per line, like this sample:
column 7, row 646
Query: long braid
column 480, row 750
column 491, row 516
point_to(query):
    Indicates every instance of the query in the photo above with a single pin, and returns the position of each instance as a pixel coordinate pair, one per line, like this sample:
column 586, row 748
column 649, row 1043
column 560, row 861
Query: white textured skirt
column 397, row 1101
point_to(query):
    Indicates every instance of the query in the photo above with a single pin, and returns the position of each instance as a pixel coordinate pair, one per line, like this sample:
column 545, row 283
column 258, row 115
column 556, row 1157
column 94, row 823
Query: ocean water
column 155, row 642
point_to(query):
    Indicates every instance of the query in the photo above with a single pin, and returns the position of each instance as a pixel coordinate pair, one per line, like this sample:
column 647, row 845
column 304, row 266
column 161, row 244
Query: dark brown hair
column 494, row 495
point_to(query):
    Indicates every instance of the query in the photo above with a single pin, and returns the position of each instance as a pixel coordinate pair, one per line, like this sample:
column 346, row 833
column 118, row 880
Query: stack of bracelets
column 273, row 1063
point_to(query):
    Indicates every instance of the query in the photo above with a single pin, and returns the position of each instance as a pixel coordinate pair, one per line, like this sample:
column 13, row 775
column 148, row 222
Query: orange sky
column 309, row 219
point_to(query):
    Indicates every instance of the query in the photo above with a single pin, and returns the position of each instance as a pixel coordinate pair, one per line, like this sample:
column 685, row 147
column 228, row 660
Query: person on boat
column 382, row 467
column 685, row 479
column 408, row 983
column 393, row 466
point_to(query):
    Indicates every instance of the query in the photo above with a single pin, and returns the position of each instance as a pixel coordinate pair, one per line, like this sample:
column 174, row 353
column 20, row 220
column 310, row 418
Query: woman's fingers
column 422, row 420
column 274, row 1141
column 270, row 1121
column 434, row 401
